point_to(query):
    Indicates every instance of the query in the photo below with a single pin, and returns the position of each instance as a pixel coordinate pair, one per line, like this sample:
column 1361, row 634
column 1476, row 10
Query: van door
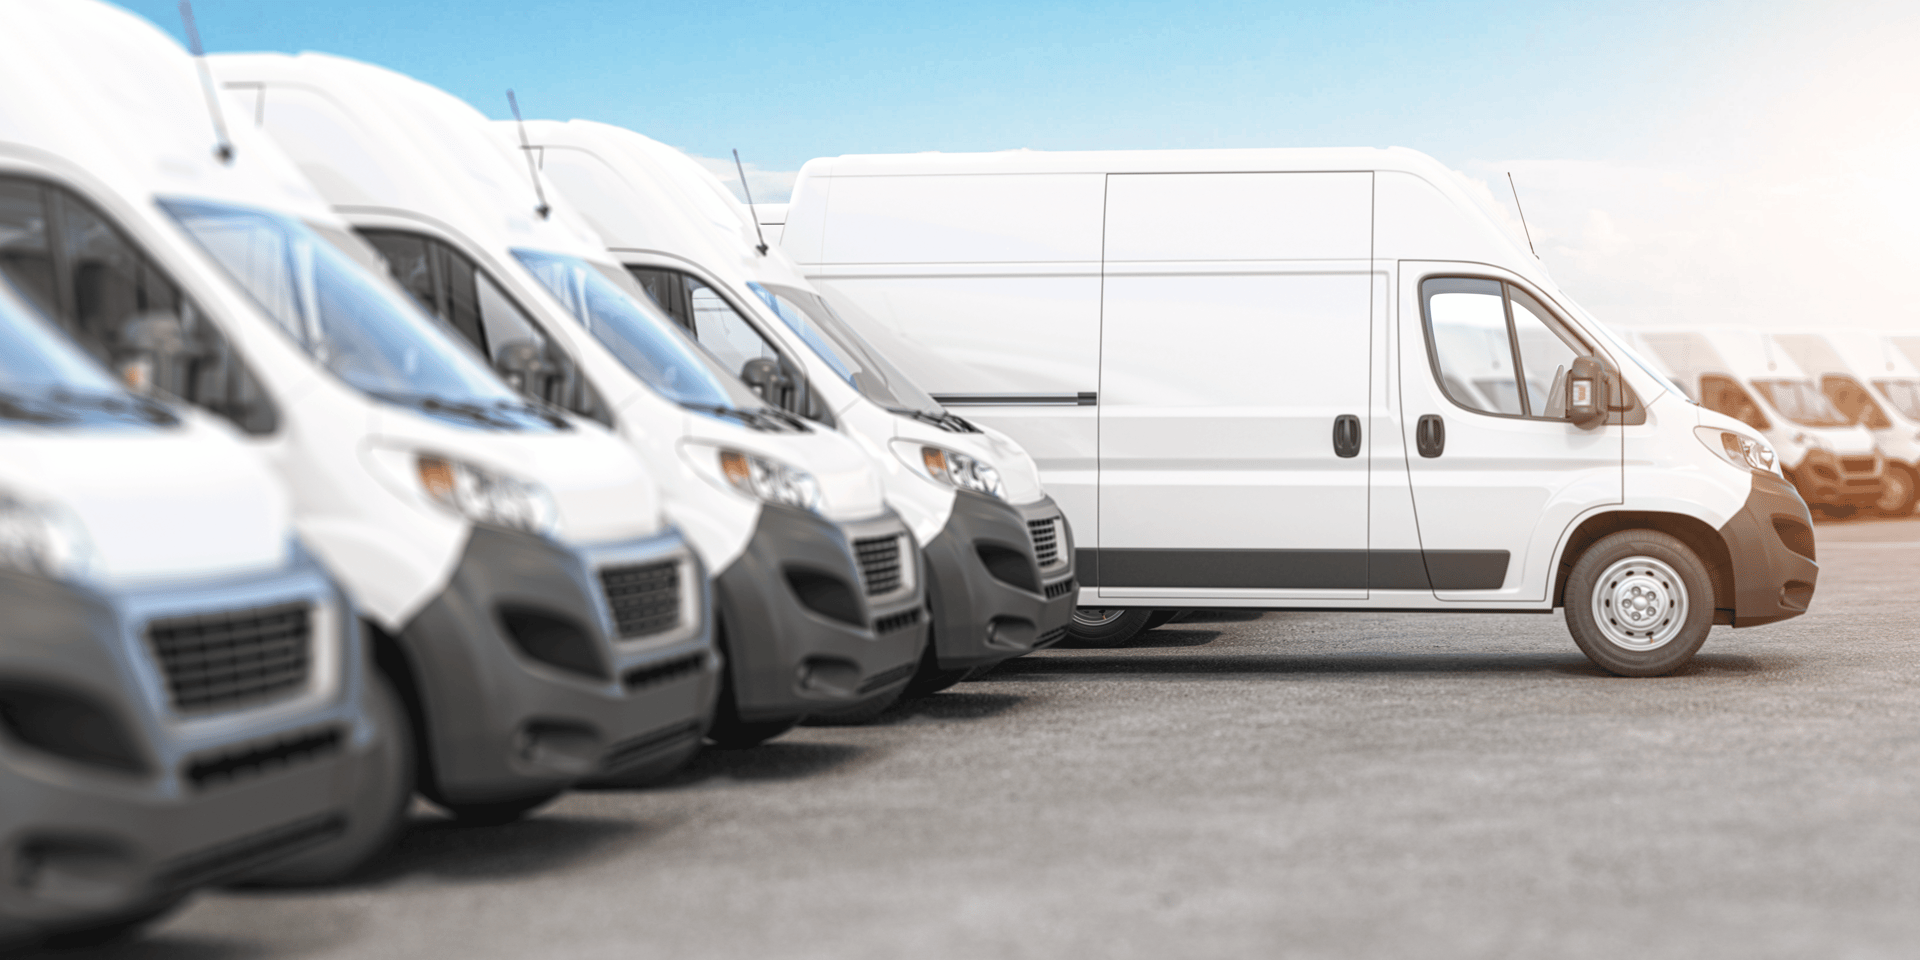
column 1234, row 381
column 1498, row 473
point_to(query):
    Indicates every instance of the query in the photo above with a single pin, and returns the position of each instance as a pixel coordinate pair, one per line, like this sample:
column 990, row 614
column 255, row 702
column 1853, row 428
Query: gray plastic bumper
column 991, row 597
column 1770, row 544
column 178, row 785
column 522, row 683
column 803, row 633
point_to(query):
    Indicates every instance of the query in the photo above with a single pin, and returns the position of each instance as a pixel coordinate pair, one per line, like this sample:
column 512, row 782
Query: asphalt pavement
column 1242, row 785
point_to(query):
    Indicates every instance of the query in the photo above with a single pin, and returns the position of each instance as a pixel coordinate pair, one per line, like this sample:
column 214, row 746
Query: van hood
column 153, row 505
column 599, row 485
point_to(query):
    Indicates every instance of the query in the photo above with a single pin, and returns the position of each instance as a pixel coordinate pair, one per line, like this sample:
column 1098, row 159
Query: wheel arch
column 1704, row 540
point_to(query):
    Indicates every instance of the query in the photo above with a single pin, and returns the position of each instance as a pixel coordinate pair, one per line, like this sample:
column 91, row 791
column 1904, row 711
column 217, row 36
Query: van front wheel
column 1106, row 626
column 1639, row 603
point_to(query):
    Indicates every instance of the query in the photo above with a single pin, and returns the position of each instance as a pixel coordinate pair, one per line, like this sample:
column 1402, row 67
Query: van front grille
column 879, row 563
column 254, row 759
column 1046, row 541
column 668, row 671
column 896, row 622
column 645, row 598
column 1857, row 464
column 1061, row 589
column 223, row 659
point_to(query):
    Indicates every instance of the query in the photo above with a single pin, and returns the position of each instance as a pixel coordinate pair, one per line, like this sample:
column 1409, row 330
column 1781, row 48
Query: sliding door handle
column 1346, row 435
column 1430, row 436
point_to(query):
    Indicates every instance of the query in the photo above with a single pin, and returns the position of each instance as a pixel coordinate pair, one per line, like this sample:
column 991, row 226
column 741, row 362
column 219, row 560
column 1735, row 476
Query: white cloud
column 768, row 186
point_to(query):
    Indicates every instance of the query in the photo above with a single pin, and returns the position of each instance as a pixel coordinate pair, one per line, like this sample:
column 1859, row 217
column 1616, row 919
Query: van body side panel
column 1235, row 331
column 985, row 289
column 1395, row 566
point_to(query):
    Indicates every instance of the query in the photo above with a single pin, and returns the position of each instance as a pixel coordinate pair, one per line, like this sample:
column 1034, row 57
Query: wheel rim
column 1896, row 491
column 1640, row 604
column 1097, row 616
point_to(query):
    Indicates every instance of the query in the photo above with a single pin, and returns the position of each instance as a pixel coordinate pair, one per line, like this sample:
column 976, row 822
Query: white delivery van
column 996, row 549
column 540, row 619
column 820, row 601
column 1742, row 373
column 183, row 697
column 1845, row 363
column 1286, row 379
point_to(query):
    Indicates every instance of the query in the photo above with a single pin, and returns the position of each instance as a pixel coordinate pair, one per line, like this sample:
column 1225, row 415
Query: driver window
column 1547, row 352
column 115, row 303
column 723, row 331
column 1467, row 321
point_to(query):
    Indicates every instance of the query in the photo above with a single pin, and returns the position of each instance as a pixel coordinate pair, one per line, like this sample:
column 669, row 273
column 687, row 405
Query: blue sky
column 1703, row 161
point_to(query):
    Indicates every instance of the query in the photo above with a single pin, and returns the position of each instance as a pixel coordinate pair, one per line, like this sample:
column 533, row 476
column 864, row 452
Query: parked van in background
column 1250, row 377
column 819, row 597
column 996, row 548
column 490, row 543
column 1844, row 363
column 1829, row 458
column 183, row 694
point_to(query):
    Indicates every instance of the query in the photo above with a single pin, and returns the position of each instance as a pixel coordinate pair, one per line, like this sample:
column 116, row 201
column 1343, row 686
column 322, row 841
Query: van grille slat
column 250, row 760
column 644, row 598
column 1046, row 541
column 665, row 672
column 1055, row 591
column 896, row 622
column 1857, row 464
column 879, row 563
column 220, row 659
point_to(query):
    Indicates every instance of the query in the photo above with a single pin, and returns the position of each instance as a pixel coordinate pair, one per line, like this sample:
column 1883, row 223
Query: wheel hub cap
column 1640, row 603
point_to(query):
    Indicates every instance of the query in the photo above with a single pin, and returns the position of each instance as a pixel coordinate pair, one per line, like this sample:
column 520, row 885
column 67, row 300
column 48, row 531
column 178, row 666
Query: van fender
column 1690, row 522
column 389, row 577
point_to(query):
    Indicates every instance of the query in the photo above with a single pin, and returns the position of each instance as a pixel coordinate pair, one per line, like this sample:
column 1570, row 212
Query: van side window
column 730, row 337
column 454, row 288
column 1496, row 349
column 1854, row 402
column 114, row 301
column 1723, row 395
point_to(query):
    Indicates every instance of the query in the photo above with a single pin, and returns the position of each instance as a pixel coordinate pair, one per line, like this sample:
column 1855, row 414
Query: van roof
column 108, row 95
column 380, row 141
column 1288, row 159
column 1739, row 352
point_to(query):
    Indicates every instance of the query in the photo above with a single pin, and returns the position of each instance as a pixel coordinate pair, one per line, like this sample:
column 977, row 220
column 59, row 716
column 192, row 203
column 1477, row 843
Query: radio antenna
column 750, row 211
column 223, row 145
column 1523, row 215
column 532, row 171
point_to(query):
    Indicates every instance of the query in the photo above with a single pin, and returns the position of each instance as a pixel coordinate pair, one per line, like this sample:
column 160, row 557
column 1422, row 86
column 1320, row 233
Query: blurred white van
column 1862, row 373
column 1323, row 379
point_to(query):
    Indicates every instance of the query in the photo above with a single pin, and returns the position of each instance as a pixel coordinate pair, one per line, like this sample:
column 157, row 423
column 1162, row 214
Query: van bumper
column 1823, row 479
column 802, row 633
column 214, row 792
column 990, row 596
column 525, row 683
column 1770, row 543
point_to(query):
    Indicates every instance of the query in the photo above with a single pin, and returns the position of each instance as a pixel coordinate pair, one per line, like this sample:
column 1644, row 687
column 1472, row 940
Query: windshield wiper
column 943, row 420
column 491, row 416
column 768, row 420
column 59, row 405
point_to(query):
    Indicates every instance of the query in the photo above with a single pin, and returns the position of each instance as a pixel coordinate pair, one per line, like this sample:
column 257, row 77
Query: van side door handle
column 1430, row 435
column 1346, row 435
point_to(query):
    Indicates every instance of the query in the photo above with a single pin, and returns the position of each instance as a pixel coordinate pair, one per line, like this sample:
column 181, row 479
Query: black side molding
column 1295, row 569
column 1083, row 399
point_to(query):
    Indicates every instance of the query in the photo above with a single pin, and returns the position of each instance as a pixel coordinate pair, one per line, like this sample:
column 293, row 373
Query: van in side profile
column 1308, row 379
column 820, row 600
column 184, row 698
column 997, row 550
column 493, row 546
column 1829, row 458
column 1858, row 371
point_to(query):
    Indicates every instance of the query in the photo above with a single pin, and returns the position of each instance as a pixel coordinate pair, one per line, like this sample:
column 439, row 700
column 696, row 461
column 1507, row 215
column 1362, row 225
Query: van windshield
column 1802, row 402
column 47, row 381
column 354, row 323
column 639, row 336
column 1904, row 395
column 850, row 356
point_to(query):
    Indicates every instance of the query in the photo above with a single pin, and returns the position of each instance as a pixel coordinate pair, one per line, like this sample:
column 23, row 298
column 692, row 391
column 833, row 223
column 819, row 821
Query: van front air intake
column 234, row 657
column 1046, row 541
column 644, row 598
column 879, row 563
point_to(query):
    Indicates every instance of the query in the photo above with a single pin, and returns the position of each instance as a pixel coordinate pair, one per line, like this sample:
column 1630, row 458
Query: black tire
column 1160, row 618
column 1639, row 603
column 112, row 931
column 378, row 811
column 495, row 812
column 1903, row 486
column 1106, row 627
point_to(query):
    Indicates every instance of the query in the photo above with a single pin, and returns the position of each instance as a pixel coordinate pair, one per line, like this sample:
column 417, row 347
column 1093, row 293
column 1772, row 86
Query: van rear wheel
column 1106, row 626
column 1639, row 603
column 1897, row 496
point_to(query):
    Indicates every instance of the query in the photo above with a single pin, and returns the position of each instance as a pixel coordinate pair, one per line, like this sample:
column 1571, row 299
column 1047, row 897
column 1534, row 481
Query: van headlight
column 1740, row 450
column 484, row 496
column 42, row 539
column 951, row 467
column 768, row 480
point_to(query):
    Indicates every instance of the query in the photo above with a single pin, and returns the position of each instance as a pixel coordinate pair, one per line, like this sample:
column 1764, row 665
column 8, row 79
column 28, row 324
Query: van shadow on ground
column 1237, row 666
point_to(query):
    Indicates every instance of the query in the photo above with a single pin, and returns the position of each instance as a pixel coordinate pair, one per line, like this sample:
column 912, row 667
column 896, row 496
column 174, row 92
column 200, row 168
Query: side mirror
column 1586, row 393
column 147, row 344
column 768, row 380
column 523, row 364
